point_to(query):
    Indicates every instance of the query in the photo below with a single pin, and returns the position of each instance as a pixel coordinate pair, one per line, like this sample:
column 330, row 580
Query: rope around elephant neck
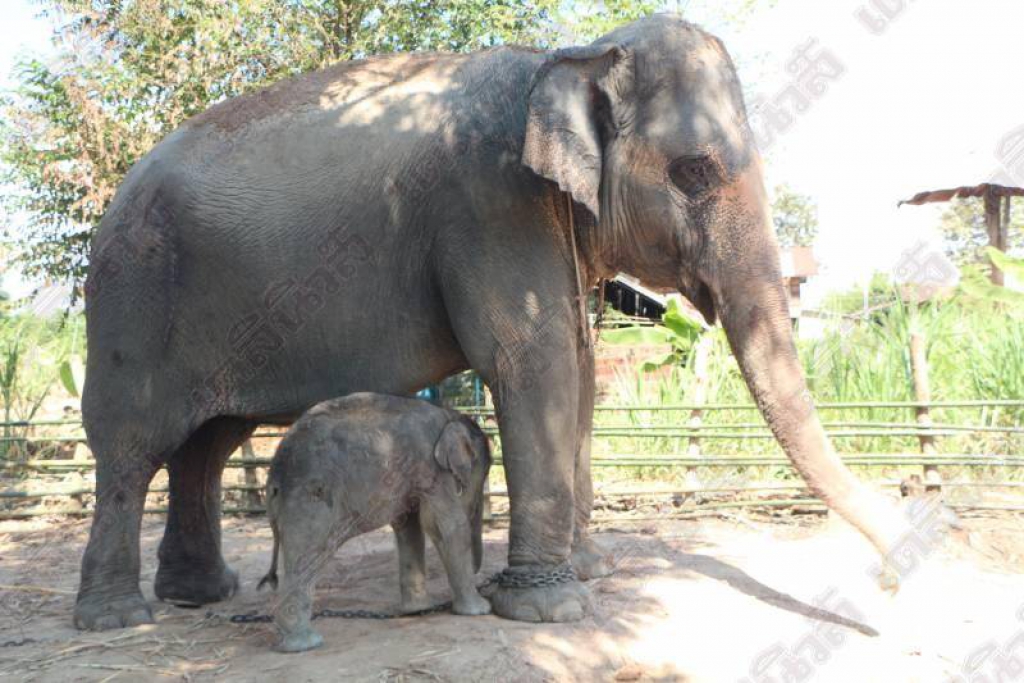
column 582, row 302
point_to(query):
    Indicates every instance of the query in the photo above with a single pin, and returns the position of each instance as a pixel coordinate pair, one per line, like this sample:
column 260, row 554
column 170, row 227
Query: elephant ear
column 572, row 109
column 454, row 452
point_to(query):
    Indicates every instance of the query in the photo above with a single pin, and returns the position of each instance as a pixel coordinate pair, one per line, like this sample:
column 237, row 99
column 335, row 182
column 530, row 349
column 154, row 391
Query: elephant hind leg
column 192, row 571
column 412, row 575
column 126, row 460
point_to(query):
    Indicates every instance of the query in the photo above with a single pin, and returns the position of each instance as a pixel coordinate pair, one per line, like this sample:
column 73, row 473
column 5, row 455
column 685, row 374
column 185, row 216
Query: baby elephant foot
column 515, row 598
column 590, row 559
column 299, row 641
column 471, row 605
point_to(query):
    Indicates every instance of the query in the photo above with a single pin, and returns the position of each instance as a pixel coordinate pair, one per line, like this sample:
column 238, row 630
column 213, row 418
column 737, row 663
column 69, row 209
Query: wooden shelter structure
column 628, row 295
column 997, row 199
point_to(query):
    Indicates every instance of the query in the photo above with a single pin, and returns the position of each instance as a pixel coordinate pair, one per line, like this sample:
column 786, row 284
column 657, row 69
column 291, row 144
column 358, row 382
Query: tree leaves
column 680, row 330
column 975, row 280
column 125, row 74
column 966, row 236
column 795, row 217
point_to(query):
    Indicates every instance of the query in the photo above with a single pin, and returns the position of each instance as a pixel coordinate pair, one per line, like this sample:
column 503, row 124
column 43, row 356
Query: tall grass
column 31, row 352
column 975, row 350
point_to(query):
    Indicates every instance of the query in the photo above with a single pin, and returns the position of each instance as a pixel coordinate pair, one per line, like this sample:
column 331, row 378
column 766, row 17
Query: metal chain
column 510, row 577
column 18, row 643
column 328, row 613
column 527, row 577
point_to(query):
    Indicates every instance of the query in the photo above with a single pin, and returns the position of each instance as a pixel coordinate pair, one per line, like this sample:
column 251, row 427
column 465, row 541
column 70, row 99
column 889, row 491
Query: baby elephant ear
column 454, row 452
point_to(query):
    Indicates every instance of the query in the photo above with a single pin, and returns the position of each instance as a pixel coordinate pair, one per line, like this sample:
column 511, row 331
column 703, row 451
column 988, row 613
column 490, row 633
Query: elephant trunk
column 754, row 310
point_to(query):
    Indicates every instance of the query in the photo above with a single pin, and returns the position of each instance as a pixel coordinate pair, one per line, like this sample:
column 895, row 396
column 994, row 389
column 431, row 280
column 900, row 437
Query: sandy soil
column 696, row 600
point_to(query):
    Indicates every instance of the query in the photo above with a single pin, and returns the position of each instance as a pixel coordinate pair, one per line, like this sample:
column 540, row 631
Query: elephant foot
column 472, row 605
column 191, row 589
column 299, row 641
column 102, row 614
column 590, row 559
column 562, row 601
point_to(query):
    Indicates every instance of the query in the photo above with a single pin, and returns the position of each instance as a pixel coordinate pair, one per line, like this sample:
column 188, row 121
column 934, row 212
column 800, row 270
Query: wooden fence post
column 487, row 402
column 487, row 514
column 700, row 397
column 996, row 232
column 923, row 395
column 252, row 496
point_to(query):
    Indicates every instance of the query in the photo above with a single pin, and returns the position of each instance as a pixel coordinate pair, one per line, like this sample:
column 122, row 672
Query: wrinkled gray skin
column 382, row 224
column 355, row 464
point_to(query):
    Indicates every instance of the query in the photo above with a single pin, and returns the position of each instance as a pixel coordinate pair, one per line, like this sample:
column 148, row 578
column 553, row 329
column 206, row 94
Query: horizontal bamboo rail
column 652, row 460
column 810, row 503
column 658, row 432
column 691, row 461
column 847, row 405
column 81, row 491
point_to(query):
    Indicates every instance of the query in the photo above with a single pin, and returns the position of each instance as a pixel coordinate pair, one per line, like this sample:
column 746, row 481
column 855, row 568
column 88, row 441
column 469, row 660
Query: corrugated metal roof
column 966, row 191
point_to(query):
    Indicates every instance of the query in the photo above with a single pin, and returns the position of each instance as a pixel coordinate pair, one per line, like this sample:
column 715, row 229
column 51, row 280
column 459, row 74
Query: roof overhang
column 933, row 196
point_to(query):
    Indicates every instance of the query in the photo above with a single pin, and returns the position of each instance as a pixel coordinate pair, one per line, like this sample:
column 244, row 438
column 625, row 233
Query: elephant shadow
column 736, row 578
column 635, row 554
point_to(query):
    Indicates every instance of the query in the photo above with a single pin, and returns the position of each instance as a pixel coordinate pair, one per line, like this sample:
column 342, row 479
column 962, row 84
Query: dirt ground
column 691, row 600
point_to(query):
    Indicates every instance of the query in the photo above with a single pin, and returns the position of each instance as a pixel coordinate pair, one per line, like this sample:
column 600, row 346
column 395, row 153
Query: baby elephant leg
column 412, row 575
column 445, row 522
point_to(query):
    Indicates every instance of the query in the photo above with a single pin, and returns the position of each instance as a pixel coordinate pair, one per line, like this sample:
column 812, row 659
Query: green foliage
column 31, row 352
column 963, row 229
column 795, row 217
column 678, row 329
column 973, row 350
column 880, row 293
column 127, row 73
column 1013, row 267
column 72, row 375
column 975, row 281
column 593, row 19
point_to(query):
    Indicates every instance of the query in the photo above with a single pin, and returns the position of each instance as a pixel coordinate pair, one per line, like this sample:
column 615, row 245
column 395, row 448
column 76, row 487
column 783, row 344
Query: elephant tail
column 271, row 577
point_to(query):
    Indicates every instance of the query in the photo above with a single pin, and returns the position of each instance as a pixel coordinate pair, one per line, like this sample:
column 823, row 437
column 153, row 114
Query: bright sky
column 922, row 106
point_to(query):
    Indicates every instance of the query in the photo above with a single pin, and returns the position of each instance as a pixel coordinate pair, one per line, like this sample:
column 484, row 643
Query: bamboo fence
column 691, row 436
column 695, row 433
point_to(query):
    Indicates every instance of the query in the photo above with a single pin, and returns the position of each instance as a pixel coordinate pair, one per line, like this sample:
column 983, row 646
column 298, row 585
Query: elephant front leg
column 537, row 403
column 445, row 521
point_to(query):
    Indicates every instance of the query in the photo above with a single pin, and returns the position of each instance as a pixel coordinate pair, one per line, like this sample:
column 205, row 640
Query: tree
column 126, row 73
column 963, row 229
column 795, row 217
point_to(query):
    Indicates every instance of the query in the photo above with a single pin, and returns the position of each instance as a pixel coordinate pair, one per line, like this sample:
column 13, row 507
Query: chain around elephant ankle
column 533, row 577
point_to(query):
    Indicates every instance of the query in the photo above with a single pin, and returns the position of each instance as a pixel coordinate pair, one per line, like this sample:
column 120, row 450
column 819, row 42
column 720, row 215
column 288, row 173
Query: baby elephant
column 354, row 464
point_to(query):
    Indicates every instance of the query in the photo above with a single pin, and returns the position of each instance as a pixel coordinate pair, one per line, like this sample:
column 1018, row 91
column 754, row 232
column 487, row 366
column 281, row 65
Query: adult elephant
column 381, row 224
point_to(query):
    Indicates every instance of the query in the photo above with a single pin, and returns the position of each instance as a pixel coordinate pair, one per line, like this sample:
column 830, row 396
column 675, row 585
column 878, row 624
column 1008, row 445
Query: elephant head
column 646, row 129
column 463, row 450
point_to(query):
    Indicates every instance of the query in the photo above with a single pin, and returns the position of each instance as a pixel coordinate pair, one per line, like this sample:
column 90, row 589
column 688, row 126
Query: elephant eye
column 695, row 175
